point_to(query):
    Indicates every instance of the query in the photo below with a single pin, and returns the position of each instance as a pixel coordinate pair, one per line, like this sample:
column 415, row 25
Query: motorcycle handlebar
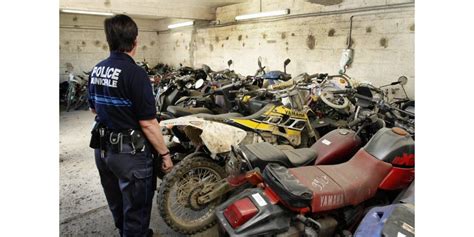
column 316, row 75
column 238, row 83
column 355, row 122
column 346, row 91
column 359, row 96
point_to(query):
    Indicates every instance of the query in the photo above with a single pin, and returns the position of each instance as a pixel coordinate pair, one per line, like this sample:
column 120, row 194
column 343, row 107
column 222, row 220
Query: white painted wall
column 82, row 41
column 374, row 60
column 83, row 44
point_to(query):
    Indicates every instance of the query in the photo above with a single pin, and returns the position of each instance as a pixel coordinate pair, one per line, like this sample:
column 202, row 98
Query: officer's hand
column 167, row 163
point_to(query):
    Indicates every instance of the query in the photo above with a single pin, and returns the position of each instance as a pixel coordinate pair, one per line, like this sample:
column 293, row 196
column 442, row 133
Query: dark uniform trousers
column 129, row 187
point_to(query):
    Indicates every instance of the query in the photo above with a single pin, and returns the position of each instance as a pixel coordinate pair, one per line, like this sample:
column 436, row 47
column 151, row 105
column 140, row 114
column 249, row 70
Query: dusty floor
column 83, row 208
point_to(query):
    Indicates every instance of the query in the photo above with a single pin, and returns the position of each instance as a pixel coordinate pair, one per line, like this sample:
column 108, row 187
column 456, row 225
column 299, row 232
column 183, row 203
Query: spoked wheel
column 70, row 97
column 179, row 192
column 81, row 101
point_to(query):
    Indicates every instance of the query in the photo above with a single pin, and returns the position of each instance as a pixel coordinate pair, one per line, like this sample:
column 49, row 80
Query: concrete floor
column 83, row 208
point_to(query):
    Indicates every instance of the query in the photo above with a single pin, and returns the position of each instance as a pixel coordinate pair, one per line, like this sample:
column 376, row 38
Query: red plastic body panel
column 337, row 146
column 274, row 199
column 398, row 178
column 345, row 184
column 240, row 212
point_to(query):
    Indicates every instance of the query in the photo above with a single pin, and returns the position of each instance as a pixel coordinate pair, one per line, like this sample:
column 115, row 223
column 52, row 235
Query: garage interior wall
column 382, row 35
column 83, row 44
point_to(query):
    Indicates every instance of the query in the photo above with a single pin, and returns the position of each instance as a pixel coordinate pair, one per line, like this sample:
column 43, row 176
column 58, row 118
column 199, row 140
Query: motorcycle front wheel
column 179, row 190
column 70, row 97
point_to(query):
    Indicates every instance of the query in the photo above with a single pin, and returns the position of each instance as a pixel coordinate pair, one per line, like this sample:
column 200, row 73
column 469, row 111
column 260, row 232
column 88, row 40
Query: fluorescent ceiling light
column 87, row 12
column 263, row 14
column 182, row 24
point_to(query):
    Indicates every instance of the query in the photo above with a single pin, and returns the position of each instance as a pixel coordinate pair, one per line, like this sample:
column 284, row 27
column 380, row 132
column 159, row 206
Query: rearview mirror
column 402, row 80
column 206, row 68
column 259, row 62
column 229, row 62
column 287, row 61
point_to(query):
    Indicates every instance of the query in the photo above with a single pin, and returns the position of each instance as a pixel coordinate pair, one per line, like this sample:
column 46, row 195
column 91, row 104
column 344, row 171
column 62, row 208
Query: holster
column 95, row 141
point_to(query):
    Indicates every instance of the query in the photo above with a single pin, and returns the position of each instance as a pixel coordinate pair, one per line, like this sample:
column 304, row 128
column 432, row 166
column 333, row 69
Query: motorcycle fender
column 217, row 137
column 183, row 121
column 270, row 219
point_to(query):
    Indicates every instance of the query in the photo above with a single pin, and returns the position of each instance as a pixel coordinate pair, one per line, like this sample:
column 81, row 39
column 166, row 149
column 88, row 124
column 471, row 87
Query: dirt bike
column 322, row 200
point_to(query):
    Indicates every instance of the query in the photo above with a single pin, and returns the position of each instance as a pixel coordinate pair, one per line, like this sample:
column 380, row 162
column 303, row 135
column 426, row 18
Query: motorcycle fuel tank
column 394, row 146
column 336, row 146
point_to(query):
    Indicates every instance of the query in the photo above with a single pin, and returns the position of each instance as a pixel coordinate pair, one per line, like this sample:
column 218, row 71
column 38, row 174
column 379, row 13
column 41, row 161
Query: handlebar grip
column 318, row 75
column 337, row 92
column 222, row 88
column 282, row 85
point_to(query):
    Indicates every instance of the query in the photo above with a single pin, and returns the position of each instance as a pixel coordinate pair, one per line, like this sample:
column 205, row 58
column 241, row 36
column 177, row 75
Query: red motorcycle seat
column 345, row 184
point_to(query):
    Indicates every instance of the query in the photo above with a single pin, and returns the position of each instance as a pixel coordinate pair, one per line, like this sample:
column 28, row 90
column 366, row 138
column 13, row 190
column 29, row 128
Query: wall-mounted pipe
column 313, row 14
column 97, row 28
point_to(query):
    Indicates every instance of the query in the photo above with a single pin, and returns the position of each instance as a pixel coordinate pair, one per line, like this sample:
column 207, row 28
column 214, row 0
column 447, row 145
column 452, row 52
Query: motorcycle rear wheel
column 175, row 209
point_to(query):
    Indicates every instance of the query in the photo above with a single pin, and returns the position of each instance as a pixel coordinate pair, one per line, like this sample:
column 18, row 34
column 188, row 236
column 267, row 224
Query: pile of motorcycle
column 73, row 92
column 274, row 155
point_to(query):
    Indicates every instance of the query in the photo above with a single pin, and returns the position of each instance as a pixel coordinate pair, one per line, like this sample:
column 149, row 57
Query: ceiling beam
column 145, row 8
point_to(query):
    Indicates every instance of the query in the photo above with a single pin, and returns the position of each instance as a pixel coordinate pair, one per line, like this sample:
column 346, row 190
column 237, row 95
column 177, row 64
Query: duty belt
column 116, row 140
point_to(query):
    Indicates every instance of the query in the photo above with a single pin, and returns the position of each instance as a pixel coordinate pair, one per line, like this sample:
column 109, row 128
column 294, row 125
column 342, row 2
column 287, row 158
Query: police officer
column 126, row 137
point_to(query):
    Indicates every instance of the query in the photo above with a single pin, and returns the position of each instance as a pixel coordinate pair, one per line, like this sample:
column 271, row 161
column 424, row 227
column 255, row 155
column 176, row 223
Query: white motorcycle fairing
column 217, row 137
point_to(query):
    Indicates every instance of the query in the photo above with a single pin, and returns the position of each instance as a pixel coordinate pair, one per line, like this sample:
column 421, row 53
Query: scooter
column 322, row 200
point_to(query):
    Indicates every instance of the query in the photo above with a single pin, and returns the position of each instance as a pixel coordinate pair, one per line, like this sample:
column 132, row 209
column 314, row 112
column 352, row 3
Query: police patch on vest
column 105, row 76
